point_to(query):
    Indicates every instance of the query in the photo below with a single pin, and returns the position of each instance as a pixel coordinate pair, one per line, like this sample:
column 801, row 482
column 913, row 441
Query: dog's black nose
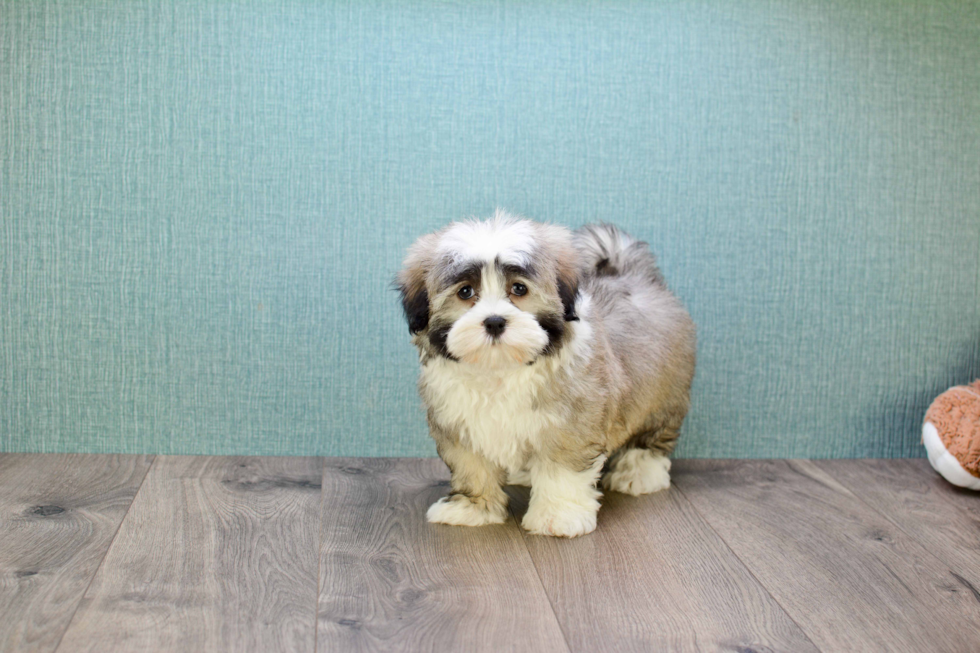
column 495, row 325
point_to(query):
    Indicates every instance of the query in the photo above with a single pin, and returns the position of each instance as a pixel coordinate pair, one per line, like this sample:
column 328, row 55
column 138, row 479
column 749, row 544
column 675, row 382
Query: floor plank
column 58, row 514
column 968, row 501
column 848, row 576
column 392, row 581
column 653, row 576
column 915, row 498
column 215, row 554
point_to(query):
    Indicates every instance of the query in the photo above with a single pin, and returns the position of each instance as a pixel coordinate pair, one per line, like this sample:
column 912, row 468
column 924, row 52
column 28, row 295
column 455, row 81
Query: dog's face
column 495, row 293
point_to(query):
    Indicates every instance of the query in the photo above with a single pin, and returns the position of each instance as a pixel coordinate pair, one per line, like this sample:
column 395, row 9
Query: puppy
column 548, row 359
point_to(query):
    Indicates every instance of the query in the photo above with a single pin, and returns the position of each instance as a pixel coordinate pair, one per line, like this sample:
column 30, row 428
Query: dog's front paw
column 460, row 510
column 564, row 519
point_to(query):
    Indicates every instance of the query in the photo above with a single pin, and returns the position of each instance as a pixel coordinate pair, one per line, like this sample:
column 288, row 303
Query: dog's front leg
column 477, row 497
column 564, row 499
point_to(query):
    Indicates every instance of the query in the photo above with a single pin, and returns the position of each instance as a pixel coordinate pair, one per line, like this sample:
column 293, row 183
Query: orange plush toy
column 951, row 433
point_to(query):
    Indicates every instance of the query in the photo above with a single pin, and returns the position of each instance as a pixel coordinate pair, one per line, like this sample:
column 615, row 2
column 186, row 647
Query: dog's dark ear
column 567, row 292
column 566, row 269
column 416, row 305
column 411, row 283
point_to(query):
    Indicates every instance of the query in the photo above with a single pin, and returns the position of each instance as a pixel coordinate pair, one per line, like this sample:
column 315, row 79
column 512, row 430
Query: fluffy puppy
column 549, row 359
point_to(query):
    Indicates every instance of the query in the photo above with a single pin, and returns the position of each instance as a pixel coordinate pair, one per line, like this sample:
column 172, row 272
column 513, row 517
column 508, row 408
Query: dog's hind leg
column 641, row 466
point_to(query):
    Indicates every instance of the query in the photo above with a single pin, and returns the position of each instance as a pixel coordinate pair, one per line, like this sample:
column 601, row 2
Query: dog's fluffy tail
column 608, row 251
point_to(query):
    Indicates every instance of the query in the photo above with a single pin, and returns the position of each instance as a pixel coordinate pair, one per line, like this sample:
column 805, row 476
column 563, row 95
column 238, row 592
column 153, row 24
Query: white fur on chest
column 495, row 412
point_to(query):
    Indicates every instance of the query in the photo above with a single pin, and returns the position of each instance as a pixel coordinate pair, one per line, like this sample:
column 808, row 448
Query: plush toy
column 951, row 433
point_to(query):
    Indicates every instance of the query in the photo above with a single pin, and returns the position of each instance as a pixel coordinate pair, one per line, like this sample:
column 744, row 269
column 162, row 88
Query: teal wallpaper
column 202, row 205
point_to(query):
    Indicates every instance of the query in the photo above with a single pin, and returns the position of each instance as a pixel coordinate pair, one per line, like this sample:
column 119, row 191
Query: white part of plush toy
column 944, row 462
column 951, row 435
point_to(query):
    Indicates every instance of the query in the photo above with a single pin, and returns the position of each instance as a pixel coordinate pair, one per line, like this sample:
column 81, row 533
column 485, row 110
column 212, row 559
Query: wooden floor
column 135, row 553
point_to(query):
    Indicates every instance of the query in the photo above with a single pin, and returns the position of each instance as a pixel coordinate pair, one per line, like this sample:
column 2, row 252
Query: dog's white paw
column 458, row 510
column 563, row 519
column 638, row 471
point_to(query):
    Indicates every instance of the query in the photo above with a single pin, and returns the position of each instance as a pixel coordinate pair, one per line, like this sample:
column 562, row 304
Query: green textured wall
column 202, row 205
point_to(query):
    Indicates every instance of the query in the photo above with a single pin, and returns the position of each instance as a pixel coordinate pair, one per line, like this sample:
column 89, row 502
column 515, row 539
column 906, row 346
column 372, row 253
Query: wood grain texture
column 925, row 506
column 216, row 554
column 968, row 501
column 58, row 515
column 654, row 577
column 848, row 576
column 392, row 581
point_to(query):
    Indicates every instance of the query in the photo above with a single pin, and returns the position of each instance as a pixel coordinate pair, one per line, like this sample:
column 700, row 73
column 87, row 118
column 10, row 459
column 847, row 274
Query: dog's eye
column 519, row 289
column 466, row 292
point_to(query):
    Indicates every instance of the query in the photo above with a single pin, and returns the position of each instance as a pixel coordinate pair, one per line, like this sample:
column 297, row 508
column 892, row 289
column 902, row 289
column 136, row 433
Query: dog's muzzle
column 495, row 325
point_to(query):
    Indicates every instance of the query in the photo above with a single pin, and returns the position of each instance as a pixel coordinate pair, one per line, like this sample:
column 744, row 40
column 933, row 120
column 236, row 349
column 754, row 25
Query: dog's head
column 493, row 293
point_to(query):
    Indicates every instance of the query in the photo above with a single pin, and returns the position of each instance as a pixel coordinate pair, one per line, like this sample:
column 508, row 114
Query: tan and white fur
column 549, row 359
